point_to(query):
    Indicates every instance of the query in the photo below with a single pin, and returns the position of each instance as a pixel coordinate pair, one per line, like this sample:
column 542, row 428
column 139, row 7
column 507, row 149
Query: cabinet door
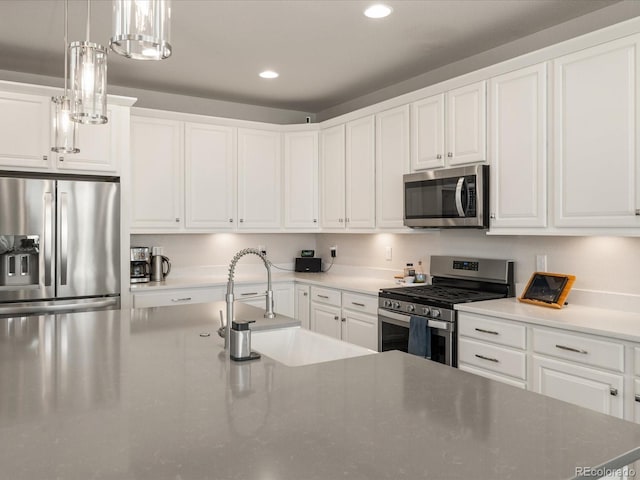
column 156, row 173
column 210, row 160
column 427, row 133
column 301, row 180
column 100, row 145
column 325, row 319
column 332, row 177
column 302, row 305
column 583, row 386
column 360, row 174
column 595, row 144
column 360, row 329
column 25, row 131
column 467, row 124
column 392, row 162
column 259, row 170
column 283, row 299
column 518, row 146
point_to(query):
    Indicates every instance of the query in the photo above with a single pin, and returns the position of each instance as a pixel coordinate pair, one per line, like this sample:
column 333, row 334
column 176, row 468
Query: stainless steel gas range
column 453, row 280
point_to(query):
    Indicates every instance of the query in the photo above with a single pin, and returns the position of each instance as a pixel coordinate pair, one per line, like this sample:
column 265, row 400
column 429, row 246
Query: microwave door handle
column 459, row 187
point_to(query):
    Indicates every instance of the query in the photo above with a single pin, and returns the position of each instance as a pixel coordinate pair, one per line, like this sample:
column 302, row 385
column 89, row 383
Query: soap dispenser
column 240, row 341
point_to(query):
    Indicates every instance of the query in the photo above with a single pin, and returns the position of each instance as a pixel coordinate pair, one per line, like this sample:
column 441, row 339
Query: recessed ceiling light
column 269, row 74
column 378, row 11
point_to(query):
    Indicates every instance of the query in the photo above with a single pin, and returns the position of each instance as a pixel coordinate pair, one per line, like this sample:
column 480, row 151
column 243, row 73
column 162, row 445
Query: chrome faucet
column 230, row 298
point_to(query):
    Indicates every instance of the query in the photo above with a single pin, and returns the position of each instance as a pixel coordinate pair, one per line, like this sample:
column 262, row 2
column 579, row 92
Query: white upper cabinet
column 595, row 152
column 301, row 180
column 210, row 176
column 392, row 162
column 450, row 128
column 427, row 123
column 25, row 131
column 360, row 174
column 259, row 179
column 518, row 148
column 156, row 173
column 332, row 177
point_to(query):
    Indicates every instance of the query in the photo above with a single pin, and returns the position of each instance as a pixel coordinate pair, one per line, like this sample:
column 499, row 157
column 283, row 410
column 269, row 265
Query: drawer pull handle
column 323, row 296
column 571, row 349
column 490, row 332
column 613, row 391
column 248, row 293
column 185, row 299
column 637, row 397
column 494, row 360
column 358, row 304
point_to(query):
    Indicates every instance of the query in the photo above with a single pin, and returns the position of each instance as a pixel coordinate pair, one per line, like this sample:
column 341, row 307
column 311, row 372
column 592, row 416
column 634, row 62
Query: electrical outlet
column 262, row 249
column 387, row 254
column 541, row 263
column 334, row 251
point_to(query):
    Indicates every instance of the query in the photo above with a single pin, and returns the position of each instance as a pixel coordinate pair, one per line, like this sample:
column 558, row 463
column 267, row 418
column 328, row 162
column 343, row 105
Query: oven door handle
column 405, row 318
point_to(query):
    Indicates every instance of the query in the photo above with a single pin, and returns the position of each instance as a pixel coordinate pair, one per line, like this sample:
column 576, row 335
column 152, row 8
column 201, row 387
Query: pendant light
column 142, row 29
column 88, row 79
column 65, row 130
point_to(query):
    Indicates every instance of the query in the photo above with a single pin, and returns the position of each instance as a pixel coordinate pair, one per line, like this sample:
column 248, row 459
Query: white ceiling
column 326, row 51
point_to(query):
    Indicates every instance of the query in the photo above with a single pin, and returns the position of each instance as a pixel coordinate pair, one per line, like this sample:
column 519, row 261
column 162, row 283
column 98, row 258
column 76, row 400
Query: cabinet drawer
column 360, row 303
column 636, row 361
column 495, row 331
column 185, row 296
column 579, row 348
column 325, row 295
column 493, row 376
column 492, row 357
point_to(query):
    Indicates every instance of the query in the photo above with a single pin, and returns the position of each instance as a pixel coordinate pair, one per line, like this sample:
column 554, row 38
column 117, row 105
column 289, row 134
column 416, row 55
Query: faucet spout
column 230, row 299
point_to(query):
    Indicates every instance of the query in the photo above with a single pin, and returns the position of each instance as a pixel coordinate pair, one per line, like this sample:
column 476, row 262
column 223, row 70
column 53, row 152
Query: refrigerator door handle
column 49, row 307
column 48, row 237
column 64, row 236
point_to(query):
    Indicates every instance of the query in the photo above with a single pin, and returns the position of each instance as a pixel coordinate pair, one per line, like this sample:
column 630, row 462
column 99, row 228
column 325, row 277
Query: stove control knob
column 435, row 313
column 426, row 311
column 411, row 308
column 396, row 304
column 387, row 303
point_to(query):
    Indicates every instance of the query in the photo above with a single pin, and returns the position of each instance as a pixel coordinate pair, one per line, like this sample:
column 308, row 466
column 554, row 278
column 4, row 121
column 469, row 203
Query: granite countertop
column 355, row 282
column 141, row 394
column 584, row 319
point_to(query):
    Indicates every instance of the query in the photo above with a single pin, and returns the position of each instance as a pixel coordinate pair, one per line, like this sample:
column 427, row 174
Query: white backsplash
column 607, row 268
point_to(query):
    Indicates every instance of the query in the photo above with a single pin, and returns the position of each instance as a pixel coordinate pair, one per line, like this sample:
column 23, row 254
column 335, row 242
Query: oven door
column 393, row 334
column 454, row 197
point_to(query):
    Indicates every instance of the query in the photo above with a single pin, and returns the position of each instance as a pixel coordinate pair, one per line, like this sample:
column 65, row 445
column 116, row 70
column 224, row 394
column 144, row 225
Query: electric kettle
column 158, row 272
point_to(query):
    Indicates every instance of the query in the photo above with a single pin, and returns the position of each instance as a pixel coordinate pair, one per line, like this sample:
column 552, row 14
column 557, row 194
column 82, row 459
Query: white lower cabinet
column 348, row 316
column 177, row 296
column 584, row 386
column 302, row 305
column 283, row 297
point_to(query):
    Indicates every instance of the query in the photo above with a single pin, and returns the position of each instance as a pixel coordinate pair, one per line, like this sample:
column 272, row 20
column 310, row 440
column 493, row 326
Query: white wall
column 599, row 263
column 203, row 250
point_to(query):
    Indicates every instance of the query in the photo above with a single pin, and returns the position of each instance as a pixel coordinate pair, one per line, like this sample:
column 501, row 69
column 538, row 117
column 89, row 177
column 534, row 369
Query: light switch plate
column 541, row 263
column 387, row 253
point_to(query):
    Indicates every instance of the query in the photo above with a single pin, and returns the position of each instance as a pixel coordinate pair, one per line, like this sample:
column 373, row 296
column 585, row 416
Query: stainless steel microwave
column 448, row 198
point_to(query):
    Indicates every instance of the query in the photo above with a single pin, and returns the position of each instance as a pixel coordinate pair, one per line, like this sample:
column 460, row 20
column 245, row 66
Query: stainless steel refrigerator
column 59, row 244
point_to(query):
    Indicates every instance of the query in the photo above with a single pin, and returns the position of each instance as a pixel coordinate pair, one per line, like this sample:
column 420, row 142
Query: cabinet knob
column 344, row 319
column 347, row 220
column 449, row 154
column 339, row 220
column 493, row 215
column 61, row 159
column 439, row 156
column 44, row 157
column 305, row 294
column 638, row 212
column 336, row 318
column 613, row 391
column 315, row 220
column 177, row 220
column 242, row 220
column 231, row 220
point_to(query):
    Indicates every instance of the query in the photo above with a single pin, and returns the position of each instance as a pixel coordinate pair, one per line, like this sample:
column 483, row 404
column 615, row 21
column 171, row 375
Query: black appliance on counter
column 454, row 280
column 308, row 264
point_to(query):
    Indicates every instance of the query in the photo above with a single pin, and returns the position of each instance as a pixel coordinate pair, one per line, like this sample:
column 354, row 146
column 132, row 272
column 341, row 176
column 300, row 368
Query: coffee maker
column 140, row 265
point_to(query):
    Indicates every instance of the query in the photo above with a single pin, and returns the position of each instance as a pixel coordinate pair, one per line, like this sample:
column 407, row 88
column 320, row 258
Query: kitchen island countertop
column 147, row 394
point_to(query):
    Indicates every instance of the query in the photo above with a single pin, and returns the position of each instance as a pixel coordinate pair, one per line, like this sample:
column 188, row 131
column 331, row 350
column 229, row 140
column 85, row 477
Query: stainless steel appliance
column 59, row 243
column 158, row 270
column 449, row 198
column 454, row 280
column 140, row 266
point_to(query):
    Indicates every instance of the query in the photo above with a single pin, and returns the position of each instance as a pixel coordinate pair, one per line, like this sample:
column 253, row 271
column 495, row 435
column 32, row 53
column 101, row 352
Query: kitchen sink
column 295, row 346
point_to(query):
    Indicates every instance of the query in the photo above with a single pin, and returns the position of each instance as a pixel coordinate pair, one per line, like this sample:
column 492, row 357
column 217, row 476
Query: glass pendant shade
column 88, row 79
column 142, row 29
column 65, row 130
